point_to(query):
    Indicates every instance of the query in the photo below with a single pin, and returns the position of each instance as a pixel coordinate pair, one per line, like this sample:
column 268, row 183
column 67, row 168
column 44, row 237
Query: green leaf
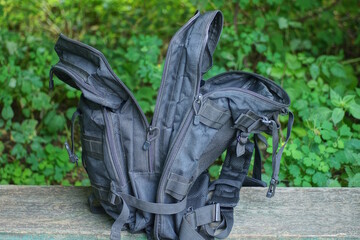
column 335, row 98
column 337, row 115
column 354, row 110
column 214, row 171
column 320, row 179
column 338, row 70
column 294, row 170
column 54, row 122
column 292, row 62
column 334, row 183
column 12, row 83
column 345, row 131
column 2, row 147
column 260, row 22
column 348, row 99
column 7, row 113
column 314, row 71
column 357, row 91
column 325, row 70
column 283, row 23
column 306, row 184
column 354, row 181
column 11, row 47
column 312, row 84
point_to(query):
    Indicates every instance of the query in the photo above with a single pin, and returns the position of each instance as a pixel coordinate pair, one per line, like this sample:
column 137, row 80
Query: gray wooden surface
column 57, row 212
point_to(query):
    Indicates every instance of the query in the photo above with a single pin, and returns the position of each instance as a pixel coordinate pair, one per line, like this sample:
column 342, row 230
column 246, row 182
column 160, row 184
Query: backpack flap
column 85, row 68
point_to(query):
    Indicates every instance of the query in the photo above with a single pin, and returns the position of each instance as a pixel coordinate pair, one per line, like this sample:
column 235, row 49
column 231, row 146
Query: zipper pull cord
column 72, row 156
column 198, row 100
column 149, row 138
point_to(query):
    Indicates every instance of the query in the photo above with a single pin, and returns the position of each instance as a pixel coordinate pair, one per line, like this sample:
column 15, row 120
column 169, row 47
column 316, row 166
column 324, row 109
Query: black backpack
column 153, row 176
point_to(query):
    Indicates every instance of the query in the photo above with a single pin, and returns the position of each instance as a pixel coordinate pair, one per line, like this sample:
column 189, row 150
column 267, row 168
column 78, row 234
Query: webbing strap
column 72, row 156
column 115, row 197
column 157, row 208
column 119, row 222
column 276, row 158
column 225, row 181
column 187, row 232
column 257, row 160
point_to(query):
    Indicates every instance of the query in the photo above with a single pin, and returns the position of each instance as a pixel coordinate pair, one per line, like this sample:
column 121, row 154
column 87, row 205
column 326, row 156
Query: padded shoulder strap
column 189, row 56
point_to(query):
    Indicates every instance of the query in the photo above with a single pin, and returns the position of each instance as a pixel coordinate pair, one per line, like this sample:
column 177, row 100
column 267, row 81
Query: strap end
column 271, row 191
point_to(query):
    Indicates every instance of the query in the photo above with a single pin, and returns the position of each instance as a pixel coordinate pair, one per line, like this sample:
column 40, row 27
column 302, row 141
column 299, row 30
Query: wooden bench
column 55, row 212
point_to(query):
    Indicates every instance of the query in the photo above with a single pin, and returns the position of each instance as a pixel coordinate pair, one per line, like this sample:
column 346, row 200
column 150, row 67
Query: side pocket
column 92, row 141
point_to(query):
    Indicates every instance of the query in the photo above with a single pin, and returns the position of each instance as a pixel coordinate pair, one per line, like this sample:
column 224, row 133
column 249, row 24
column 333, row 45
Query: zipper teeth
column 179, row 139
column 213, row 79
column 101, row 55
column 112, row 149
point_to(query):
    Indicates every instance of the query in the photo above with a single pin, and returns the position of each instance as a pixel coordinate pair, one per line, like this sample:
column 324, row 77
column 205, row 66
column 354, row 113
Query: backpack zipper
column 114, row 159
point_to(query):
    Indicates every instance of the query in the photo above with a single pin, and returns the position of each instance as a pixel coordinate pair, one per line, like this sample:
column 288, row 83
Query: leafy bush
column 309, row 47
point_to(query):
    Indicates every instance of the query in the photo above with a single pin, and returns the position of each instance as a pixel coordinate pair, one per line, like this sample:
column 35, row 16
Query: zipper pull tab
column 151, row 135
column 146, row 145
column 198, row 100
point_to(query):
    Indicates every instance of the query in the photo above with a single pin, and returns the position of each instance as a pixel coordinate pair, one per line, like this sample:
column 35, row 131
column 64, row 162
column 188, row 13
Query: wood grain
column 55, row 212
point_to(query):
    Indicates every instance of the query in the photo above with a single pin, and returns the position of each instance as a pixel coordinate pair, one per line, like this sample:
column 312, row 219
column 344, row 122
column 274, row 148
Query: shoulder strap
column 189, row 56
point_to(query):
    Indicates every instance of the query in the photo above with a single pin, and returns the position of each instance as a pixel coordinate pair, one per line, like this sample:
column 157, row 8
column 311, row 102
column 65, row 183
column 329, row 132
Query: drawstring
column 151, row 131
column 72, row 156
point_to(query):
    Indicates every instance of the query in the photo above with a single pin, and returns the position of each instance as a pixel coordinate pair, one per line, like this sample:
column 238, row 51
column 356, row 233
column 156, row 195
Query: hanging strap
column 120, row 221
column 72, row 156
column 255, row 180
column 276, row 157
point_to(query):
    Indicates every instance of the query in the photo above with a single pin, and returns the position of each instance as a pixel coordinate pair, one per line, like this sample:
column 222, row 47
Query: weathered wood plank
column 62, row 213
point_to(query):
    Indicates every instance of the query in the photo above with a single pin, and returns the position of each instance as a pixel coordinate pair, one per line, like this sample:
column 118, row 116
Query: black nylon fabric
column 133, row 165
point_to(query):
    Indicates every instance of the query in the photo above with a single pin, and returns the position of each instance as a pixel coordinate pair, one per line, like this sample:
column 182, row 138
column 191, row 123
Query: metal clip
column 271, row 191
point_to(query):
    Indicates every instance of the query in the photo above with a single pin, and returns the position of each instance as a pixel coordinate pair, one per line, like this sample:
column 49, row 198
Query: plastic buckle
column 217, row 212
column 271, row 191
column 265, row 120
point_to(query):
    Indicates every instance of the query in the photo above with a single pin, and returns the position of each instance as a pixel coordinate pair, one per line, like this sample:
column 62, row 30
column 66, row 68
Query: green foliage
column 309, row 47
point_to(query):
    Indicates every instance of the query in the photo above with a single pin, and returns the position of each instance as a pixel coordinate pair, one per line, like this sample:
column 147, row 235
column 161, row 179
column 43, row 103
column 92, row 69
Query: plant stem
column 349, row 61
